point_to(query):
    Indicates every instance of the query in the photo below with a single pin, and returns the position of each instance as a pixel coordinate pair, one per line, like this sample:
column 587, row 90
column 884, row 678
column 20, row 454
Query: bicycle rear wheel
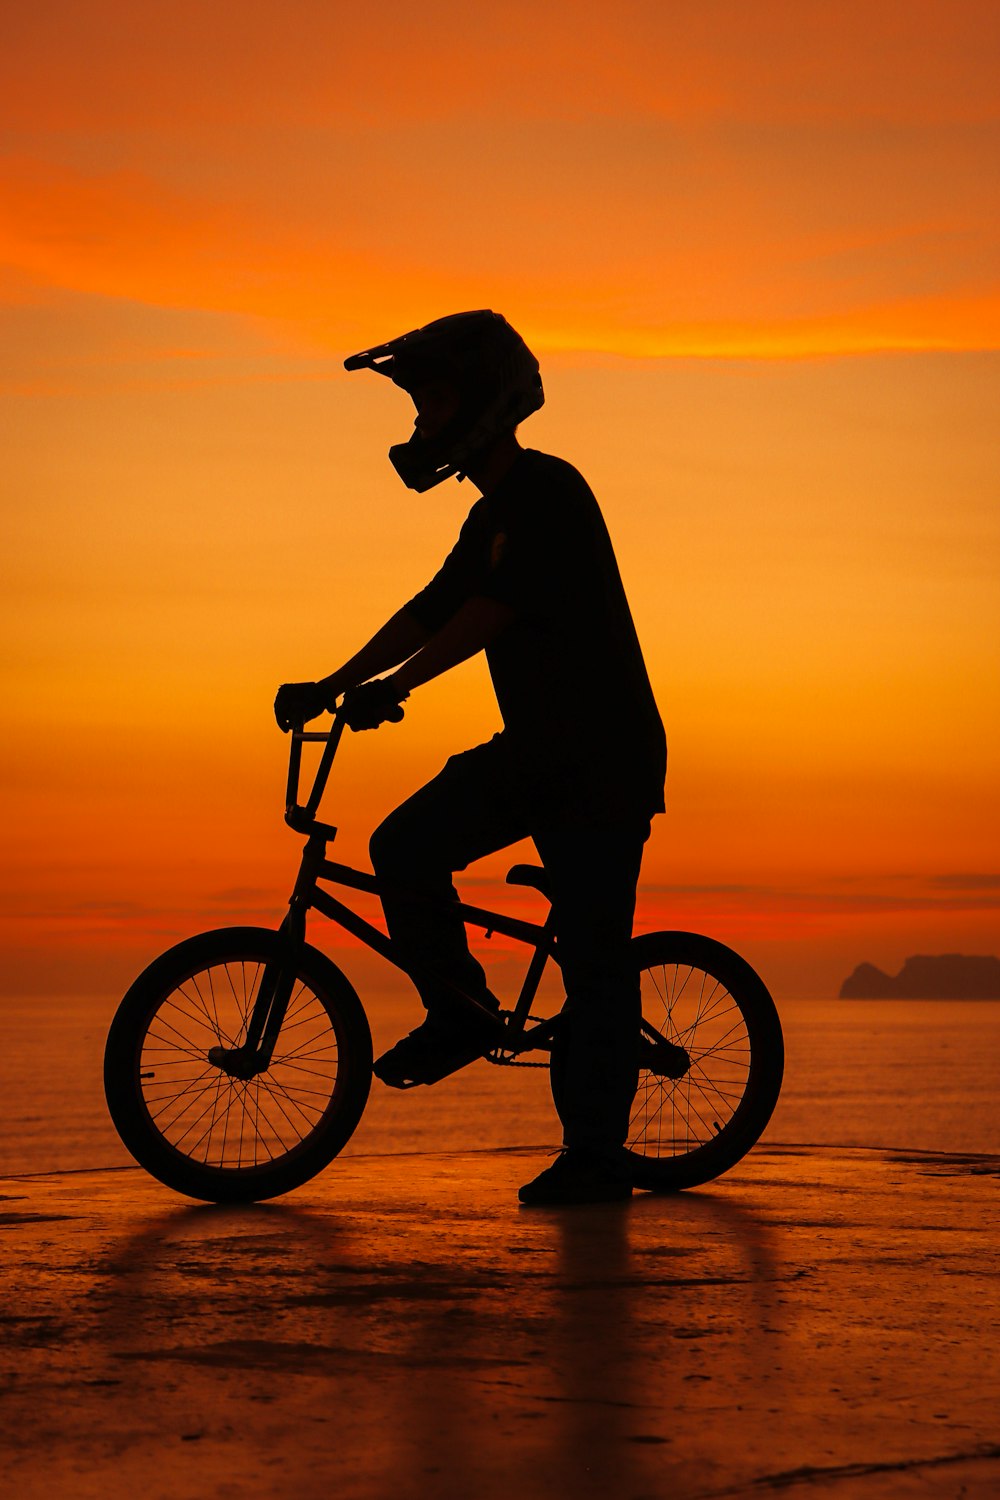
column 194, row 1126
column 711, row 1061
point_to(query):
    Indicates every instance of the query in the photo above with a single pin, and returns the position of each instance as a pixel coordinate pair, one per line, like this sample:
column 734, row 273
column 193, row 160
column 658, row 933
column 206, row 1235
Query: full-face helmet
column 492, row 369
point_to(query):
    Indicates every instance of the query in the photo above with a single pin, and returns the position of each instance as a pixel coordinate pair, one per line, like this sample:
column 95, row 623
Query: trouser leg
column 593, row 874
column 467, row 811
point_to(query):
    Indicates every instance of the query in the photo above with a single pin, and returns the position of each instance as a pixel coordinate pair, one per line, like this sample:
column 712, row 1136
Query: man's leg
column 593, row 873
column 466, row 812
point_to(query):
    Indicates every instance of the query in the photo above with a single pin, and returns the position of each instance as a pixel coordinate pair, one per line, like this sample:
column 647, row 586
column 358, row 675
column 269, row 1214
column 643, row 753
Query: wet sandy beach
column 822, row 1322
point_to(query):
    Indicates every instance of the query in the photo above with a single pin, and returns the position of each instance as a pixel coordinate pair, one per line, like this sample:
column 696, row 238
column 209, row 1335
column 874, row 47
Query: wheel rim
column 225, row 1123
column 689, row 1007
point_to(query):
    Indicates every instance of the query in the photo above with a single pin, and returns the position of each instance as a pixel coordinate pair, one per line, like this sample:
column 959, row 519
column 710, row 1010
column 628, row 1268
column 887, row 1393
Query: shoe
column 579, row 1176
column 432, row 1051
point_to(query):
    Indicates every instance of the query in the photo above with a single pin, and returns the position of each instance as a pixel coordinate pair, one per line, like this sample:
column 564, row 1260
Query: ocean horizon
column 892, row 1074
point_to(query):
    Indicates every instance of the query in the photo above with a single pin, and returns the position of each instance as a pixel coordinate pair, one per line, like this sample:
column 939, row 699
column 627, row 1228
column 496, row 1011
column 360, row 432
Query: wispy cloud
column 893, row 893
column 720, row 180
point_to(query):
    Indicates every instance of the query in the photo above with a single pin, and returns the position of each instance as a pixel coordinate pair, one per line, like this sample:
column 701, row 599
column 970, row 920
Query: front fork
column 275, row 989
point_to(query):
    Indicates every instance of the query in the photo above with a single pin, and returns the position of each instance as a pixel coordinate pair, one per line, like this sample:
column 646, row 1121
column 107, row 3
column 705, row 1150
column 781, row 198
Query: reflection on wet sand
column 406, row 1330
column 552, row 1350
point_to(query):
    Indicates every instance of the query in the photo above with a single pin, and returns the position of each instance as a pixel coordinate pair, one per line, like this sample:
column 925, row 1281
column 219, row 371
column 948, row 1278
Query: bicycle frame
column 515, row 1033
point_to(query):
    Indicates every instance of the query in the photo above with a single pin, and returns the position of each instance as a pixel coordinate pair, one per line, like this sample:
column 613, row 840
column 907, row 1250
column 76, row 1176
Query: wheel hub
column 238, row 1062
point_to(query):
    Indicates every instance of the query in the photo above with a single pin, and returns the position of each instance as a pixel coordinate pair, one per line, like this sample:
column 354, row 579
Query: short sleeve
column 457, row 580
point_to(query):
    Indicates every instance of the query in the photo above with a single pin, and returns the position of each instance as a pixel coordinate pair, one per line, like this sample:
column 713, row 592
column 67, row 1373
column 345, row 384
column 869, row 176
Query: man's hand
column 298, row 702
column 373, row 703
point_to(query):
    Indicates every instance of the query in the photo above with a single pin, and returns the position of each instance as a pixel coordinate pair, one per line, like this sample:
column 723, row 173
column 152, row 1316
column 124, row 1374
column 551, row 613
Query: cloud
column 111, row 65
column 743, row 247
column 244, row 896
column 845, row 897
column 56, row 342
column 906, row 893
column 710, row 179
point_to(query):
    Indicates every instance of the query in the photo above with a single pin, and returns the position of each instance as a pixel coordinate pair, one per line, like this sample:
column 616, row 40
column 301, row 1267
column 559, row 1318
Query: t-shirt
column 580, row 721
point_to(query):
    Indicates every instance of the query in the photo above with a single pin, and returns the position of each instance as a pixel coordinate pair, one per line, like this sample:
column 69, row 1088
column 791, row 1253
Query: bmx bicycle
column 239, row 1062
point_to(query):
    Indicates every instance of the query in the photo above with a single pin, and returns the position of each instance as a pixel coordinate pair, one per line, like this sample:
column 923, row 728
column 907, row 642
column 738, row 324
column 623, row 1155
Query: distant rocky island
column 942, row 976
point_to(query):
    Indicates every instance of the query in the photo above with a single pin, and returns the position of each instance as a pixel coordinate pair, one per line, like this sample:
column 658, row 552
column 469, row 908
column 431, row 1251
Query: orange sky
column 756, row 250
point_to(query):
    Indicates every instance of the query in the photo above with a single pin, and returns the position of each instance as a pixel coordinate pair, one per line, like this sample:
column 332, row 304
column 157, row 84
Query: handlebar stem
column 302, row 816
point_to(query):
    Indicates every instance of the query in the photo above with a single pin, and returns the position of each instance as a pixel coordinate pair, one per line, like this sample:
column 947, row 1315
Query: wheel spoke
column 691, row 1007
column 223, row 1122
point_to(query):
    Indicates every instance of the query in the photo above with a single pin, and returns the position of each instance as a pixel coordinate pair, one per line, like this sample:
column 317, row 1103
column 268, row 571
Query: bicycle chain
column 511, row 1061
column 501, row 1059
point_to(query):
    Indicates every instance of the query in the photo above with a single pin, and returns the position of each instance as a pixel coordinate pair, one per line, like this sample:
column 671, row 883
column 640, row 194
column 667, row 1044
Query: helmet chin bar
column 423, row 463
column 417, row 468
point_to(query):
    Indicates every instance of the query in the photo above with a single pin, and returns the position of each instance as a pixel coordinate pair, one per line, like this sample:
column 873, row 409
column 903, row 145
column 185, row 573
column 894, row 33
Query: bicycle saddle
column 532, row 875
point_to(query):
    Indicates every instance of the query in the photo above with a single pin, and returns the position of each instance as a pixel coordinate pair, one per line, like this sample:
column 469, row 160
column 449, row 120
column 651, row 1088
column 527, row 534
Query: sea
column 913, row 1075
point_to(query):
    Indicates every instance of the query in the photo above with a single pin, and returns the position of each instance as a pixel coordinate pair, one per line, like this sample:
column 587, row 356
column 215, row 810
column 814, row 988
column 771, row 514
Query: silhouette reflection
column 410, row 1351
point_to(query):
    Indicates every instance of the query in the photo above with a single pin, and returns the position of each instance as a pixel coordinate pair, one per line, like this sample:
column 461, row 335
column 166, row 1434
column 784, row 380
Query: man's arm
column 368, row 704
column 474, row 626
column 298, row 702
column 398, row 639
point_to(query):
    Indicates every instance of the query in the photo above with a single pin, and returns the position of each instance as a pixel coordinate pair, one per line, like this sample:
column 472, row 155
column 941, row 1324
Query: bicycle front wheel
column 711, row 1061
column 204, row 1132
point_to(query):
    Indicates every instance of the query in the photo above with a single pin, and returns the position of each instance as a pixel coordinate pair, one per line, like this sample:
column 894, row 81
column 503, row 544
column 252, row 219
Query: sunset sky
column 755, row 248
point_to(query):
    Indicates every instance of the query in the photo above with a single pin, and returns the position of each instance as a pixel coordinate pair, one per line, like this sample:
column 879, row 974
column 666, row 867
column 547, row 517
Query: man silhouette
column 579, row 766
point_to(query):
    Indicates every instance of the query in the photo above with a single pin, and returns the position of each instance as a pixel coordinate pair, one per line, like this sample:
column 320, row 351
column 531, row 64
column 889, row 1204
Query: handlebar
column 302, row 816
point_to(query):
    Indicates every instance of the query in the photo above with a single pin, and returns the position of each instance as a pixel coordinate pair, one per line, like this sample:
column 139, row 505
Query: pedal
column 408, row 1065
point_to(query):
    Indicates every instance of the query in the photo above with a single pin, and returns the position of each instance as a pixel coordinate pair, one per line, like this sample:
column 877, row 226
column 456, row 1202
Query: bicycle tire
column 265, row 1136
column 699, row 995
